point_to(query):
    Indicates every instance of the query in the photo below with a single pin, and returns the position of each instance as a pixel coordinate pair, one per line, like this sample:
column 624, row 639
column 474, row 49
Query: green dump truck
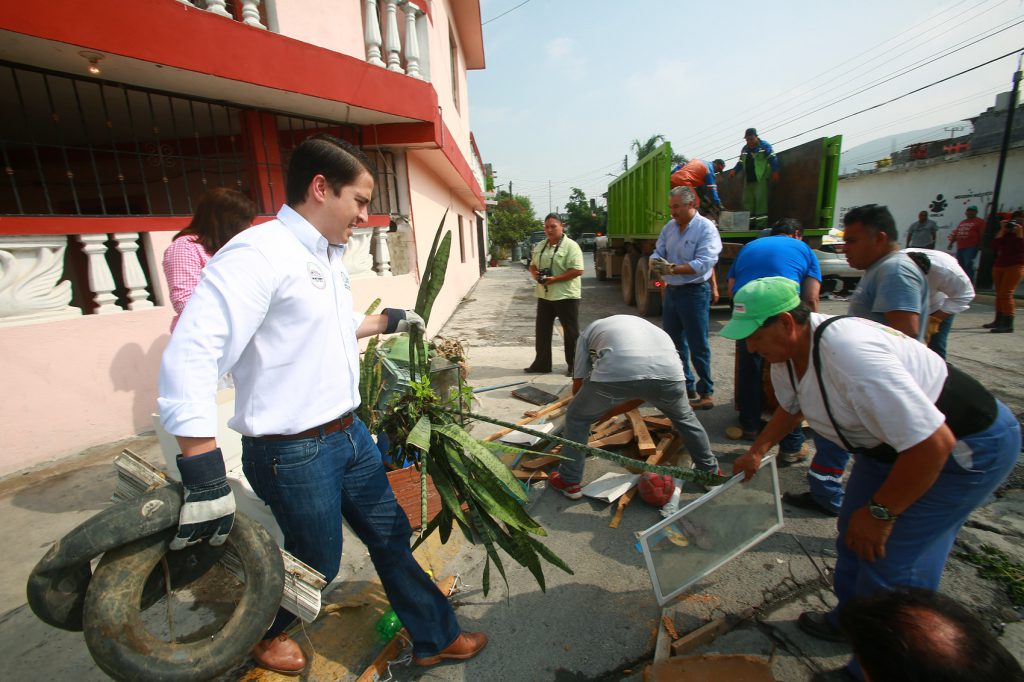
column 638, row 209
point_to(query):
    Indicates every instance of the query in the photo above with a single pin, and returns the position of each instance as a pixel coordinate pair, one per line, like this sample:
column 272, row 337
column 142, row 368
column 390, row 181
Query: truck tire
column 627, row 279
column 648, row 302
column 124, row 648
column 599, row 270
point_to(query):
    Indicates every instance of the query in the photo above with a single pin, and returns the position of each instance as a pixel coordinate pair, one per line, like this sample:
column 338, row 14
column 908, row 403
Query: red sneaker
column 571, row 490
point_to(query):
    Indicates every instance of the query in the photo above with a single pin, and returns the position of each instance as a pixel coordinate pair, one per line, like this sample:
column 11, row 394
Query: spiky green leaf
column 485, row 457
column 419, row 435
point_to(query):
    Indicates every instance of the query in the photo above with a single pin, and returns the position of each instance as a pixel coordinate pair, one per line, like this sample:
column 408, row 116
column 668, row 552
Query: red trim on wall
column 30, row 225
column 263, row 156
column 461, row 166
column 176, row 34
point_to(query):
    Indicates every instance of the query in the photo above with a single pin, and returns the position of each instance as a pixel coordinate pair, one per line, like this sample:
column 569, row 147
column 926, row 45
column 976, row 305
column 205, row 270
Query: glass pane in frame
column 712, row 530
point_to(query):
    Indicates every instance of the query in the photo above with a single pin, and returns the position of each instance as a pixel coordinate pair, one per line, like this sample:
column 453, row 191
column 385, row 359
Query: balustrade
column 387, row 44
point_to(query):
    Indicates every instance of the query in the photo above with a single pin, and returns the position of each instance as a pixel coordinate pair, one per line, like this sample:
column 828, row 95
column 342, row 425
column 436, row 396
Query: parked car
column 587, row 241
column 526, row 246
column 836, row 273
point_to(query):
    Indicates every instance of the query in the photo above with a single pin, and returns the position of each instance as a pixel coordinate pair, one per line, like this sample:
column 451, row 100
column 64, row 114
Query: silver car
column 836, row 273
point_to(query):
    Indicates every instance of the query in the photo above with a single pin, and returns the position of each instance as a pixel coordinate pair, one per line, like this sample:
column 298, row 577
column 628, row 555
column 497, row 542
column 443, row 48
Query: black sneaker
column 816, row 624
column 806, row 501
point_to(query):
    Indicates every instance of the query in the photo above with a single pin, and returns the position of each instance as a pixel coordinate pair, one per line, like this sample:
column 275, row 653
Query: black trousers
column 568, row 313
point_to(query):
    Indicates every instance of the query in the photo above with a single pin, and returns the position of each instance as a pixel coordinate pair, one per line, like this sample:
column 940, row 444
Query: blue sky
column 569, row 84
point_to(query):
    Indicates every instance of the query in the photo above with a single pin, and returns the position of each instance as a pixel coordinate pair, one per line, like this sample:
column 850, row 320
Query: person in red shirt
column 1007, row 270
column 967, row 236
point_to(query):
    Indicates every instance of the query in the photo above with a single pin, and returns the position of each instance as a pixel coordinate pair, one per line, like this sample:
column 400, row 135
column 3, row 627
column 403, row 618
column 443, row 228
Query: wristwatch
column 880, row 511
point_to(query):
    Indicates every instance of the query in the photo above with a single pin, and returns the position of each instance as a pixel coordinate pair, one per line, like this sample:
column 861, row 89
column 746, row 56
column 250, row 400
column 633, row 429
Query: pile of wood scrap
column 648, row 439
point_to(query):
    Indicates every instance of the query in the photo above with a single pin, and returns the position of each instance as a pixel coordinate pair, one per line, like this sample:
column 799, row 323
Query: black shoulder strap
column 816, row 355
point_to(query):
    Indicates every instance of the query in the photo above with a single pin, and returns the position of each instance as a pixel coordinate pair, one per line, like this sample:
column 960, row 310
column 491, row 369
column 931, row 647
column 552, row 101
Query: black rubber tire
column 648, row 302
column 627, row 279
column 122, row 646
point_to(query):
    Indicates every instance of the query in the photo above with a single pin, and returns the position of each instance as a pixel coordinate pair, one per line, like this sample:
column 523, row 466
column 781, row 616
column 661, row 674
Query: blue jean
column 309, row 484
column 921, row 538
column 597, row 397
column 938, row 341
column 965, row 257
column 825, row 475
column 685, row 318
column 749, row 370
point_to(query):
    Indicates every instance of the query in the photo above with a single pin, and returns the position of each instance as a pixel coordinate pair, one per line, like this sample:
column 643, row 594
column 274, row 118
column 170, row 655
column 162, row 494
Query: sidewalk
column 599, row 624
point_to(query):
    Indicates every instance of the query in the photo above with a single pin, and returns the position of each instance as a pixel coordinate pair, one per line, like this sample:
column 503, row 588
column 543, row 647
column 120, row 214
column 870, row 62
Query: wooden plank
column 538, row 463
column 535, row 415
column 707, row 633
column 617, row 425
column 607, row 423
column 525, row 475
column 666, row 633
column 644, row 444
column 658, row 422
column 620, row 438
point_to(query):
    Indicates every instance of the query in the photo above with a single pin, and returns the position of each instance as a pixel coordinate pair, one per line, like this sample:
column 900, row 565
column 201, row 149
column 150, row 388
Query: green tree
column 581, row 217
column 642, row 149
column 511, row 220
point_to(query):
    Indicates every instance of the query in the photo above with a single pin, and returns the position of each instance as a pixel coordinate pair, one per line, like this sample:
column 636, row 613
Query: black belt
column 333, row 426
column 691, row 284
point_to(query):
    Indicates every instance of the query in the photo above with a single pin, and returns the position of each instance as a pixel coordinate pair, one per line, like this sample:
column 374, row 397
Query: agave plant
column 478, row 492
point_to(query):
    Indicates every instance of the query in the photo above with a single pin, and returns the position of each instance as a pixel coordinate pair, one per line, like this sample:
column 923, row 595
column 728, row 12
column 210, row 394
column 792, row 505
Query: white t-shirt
column 882, row 385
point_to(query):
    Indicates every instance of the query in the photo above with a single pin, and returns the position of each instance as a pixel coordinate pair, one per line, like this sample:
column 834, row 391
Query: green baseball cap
column 758, row 300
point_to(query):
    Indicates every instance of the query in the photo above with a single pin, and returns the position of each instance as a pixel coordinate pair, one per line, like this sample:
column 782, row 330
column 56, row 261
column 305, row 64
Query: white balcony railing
column 250, row 10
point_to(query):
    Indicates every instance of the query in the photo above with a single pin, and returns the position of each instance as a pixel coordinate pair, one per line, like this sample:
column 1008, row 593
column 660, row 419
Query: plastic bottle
column 388, row 626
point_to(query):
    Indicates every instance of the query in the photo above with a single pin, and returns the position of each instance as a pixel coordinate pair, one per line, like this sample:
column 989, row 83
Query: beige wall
column 456, row 118
column 330, row 24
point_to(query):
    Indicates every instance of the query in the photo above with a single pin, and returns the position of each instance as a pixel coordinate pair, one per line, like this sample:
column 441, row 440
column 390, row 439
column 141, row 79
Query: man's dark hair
column 340, row 162
column 922, row 260
column 874, row 218
column 557, row 217
column 909, row 634
column 801, row 314
column 790, row 226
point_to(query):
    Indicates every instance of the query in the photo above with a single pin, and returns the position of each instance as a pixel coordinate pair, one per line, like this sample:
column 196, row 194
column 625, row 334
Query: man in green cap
column 930, row 443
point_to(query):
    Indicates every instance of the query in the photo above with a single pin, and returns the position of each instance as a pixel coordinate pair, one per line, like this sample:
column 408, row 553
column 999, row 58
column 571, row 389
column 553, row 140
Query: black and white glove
column 208, row 510
column 401, row 320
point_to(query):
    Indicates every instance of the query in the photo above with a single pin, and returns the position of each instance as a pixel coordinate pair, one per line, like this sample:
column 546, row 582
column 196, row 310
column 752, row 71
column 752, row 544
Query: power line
column 906, row 94
column 504, row 13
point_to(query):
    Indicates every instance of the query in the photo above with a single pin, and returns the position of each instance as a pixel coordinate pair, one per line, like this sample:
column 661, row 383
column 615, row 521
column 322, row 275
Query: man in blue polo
column 782, row 254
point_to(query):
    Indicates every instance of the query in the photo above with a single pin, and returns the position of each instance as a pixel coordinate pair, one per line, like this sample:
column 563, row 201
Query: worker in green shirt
column 556, row 264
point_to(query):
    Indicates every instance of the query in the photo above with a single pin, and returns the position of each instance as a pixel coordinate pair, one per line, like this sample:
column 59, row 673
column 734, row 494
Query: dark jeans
column 309, row 485
column 749, row 368
column 685, row 319
column 568, row 313
column 965, row 256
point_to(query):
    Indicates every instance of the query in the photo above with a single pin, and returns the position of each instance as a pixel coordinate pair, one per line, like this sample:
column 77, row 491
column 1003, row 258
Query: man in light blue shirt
column 621, row 362
column 685, row 257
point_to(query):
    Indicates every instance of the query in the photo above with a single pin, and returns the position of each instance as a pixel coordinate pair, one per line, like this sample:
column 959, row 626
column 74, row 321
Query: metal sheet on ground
column 710, row 531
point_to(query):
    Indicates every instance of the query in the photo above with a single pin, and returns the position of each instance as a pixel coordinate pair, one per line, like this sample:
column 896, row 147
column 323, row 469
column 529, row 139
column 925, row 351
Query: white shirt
column 698, row 246
column 881, row 384
column 949, row 288
column 626, row 348
column 274, row 308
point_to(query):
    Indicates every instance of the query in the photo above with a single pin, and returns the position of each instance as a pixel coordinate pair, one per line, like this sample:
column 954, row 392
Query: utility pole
column 549, row 196
column 984, row 276
column 953, row 130
column 510, row 195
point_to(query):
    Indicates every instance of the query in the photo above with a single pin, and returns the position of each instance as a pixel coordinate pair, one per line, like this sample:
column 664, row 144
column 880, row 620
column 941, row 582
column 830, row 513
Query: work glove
column 208, row 510
column 661, row 267
column 933, row 328
column 402, row 320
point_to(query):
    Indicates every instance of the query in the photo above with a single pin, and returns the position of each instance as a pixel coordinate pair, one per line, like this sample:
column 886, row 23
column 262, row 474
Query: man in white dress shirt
column 949, row 292
column 274, row 307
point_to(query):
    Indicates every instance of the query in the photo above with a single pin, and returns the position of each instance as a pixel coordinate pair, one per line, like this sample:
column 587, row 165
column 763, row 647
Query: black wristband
column 395, row 315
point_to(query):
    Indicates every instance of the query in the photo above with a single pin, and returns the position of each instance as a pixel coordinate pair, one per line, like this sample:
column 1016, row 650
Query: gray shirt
column 922, row 234
column 893, row 282
column 626, row 348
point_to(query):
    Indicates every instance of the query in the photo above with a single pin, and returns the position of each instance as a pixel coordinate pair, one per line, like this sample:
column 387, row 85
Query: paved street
column 598, row 624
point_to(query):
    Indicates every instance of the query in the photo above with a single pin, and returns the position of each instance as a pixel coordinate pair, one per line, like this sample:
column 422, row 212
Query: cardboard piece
column 611, row 486
column 520, row 438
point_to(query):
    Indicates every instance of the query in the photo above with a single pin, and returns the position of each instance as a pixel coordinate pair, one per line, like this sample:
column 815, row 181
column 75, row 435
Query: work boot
column 280, row 655
column 466, row 645
column 704, row 402
column 994, row 323
column 1005, row 328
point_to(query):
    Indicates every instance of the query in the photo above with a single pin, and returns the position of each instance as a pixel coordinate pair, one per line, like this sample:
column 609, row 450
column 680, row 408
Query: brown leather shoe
column 280, row 654
column 705, row 402
column 466, row 645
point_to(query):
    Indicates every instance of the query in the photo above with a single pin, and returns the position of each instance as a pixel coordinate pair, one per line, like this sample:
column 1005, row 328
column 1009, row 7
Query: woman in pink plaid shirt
column 220, row 214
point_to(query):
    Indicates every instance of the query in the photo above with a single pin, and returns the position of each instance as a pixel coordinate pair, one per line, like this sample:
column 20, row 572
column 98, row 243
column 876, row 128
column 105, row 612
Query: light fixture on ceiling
column 93, row 58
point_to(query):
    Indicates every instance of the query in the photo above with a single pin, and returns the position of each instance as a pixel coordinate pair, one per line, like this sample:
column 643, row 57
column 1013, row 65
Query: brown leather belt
column 333, row 426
